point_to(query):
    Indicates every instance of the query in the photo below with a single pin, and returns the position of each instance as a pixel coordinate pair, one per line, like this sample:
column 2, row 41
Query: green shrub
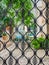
column 40, row 43
column 35, row 44
column 26, row 6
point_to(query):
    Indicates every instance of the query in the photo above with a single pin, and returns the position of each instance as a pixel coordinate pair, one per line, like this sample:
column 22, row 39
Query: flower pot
column 4, row 37
column 8, row 28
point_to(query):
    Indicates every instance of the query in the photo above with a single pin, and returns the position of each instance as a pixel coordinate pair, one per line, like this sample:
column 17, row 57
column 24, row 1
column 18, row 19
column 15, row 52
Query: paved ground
column 17, row 53
column 28, row 53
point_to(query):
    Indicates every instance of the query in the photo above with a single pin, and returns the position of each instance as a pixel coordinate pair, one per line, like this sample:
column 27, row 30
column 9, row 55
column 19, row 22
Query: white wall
column 41, row 20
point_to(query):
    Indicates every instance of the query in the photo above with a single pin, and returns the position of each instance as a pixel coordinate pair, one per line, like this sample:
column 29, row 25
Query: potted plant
column 6, row 21
column 35, row 44
column 4, row 36
column 7, row 24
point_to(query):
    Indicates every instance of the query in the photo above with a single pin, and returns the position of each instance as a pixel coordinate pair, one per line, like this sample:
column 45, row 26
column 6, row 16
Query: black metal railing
column 19, row 29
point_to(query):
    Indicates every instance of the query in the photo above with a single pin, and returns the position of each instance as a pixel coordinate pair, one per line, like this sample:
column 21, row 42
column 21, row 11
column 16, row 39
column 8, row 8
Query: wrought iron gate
column 17, row 49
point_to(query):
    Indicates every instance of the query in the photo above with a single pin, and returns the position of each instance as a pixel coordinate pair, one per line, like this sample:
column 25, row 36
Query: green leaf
column 11, row 13
column 27, row 21
column 41, row 39
column 28, row 5
column 16, row 5
column 35, row 44
column 4, row 4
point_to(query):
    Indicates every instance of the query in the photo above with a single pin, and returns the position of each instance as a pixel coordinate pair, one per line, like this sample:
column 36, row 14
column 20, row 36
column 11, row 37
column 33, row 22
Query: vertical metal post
column 23, row 44
column 34, row 58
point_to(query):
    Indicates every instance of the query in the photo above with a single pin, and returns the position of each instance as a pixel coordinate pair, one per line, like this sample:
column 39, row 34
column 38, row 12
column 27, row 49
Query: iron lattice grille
column 18, row 51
